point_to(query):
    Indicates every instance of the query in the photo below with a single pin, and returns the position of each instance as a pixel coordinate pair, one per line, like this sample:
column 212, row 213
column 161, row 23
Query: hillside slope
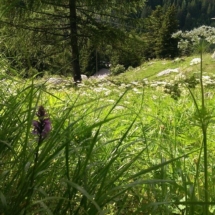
column 190, row 13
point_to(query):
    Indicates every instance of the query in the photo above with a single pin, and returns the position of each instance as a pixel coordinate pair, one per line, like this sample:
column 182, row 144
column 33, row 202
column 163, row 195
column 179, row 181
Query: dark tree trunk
column 74, row 42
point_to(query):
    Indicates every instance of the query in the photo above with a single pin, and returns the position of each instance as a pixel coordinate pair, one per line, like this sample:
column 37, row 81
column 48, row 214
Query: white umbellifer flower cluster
column 180, row 77
column 145, row 81
column 136, row 91
column 194, row 36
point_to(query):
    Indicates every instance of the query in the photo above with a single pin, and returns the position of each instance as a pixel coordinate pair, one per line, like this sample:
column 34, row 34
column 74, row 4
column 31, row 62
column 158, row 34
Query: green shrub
column 117, row 69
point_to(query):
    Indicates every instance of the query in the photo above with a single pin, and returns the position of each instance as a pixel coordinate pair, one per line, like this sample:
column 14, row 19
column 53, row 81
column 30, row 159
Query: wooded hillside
column 190, row 13
column 68, row 37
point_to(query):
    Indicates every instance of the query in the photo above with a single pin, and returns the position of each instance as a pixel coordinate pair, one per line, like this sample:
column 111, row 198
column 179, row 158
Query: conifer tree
column 160, row 27
column 71, row 21
column 190, row 13
column 166, row 46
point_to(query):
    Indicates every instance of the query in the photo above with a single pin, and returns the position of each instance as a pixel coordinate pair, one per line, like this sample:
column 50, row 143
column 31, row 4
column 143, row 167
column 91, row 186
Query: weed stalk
column 204, row 133
column 203, row 115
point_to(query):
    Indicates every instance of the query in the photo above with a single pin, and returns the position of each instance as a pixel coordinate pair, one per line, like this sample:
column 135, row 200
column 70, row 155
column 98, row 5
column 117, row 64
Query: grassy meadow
column 117, row 146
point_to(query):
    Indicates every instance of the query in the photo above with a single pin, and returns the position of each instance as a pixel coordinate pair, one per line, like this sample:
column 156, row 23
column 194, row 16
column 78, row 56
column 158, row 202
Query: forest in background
column 190, row 13
column 43, row 36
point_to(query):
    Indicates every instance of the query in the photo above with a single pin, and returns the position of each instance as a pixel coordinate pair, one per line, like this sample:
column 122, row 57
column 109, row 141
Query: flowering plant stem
column 202, row 117
column 32, row 179
column 41, row 128
column 204, row 133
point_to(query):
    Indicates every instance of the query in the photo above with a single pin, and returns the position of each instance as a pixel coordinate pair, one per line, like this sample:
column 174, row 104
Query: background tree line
column 79, row 37
column 189, row 13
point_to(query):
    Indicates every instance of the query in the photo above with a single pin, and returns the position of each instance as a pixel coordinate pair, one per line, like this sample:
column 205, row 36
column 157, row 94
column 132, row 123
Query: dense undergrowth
column 113, row 148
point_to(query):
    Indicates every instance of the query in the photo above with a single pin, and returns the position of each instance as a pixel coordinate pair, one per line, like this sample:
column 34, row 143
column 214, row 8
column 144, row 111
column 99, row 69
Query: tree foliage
column 76, row 37
column 159, row 29
column 190, row 13
column 63, row 28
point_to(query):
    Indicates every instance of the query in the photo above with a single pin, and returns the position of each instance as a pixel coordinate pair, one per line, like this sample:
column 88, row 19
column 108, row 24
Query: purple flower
column 41, row 112
column 42, row 126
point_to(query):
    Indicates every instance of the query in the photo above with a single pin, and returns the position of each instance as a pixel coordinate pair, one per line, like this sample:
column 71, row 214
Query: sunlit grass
column 114, row 148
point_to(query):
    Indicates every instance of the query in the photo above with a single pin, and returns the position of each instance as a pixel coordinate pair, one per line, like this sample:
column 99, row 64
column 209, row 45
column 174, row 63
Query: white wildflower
column 136, row 91
column 97, row 90
column 145, row 81
column 206, row 77
column 153, row 85
column 123, row 85
column 128, row 85
column 161, row 83
column 154, row 97
column 118, row 107
column 135, row 83
column 111, row 101
column 107, row 92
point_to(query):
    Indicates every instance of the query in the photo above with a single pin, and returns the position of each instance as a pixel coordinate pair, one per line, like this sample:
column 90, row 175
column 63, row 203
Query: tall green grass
column 126, row 152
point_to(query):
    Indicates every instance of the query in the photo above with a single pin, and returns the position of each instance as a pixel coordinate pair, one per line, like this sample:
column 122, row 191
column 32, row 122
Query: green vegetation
column 79, row 37
column 65, row 37
column 139, row 141
column 159, row 29
column 190, row 13
column 115, row 147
